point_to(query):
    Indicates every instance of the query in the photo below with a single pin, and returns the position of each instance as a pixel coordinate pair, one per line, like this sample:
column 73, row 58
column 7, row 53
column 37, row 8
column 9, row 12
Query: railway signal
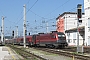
column 79, row 16
column 13, row 33
column 80, row 21
column 29, row 33
column 79, row 12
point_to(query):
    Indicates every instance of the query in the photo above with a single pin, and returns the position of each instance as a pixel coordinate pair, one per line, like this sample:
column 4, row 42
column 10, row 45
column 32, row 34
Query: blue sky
column 39, row 12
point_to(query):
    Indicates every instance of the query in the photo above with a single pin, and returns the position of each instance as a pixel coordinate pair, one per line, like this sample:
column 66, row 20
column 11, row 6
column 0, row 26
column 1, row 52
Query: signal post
column 79, row 16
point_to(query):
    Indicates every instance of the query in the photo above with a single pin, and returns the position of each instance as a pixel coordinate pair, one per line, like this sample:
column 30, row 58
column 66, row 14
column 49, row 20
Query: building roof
column 66, row 13
column 82, row 28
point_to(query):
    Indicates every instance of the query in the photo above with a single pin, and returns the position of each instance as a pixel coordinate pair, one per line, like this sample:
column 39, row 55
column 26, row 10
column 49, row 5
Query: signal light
column 25, row 32
column 29, row 33
column 13, row 33
column 80, row 21
column 79, row 13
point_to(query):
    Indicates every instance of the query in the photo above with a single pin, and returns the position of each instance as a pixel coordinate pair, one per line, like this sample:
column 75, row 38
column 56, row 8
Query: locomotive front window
column 61, row 35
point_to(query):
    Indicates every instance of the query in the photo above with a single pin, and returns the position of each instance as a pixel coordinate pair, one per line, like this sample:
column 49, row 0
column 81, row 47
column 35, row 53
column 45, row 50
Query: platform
column 7, row 53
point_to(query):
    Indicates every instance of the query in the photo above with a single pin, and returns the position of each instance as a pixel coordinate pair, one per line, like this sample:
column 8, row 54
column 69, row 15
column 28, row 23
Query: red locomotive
column 54, row 39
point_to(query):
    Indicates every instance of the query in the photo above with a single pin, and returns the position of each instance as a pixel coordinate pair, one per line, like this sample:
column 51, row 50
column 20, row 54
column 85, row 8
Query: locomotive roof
column 52, row 33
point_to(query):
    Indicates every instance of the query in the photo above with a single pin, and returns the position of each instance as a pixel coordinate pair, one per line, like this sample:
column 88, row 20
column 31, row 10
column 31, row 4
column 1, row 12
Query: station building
column 67, row 23
column 87, row 21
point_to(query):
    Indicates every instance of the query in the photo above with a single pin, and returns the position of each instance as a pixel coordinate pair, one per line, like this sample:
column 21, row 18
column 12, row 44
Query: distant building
column 67, row 23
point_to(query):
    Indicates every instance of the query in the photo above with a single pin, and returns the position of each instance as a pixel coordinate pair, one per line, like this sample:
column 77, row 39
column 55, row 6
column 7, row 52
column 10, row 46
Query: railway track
column 70, row 52
column 25, row 54
column 74, row 49
column 66, row 52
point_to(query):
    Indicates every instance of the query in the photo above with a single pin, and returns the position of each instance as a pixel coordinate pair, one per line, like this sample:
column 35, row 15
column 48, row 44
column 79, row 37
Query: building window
column 68, row 40
column 74, row 40
column 62, row 22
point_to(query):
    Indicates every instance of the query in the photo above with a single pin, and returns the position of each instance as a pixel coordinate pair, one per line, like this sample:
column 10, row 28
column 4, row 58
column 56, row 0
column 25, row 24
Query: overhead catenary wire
column 26, row 12
column 37, row 14
column 20, row 14
column 32, row 6
column 52, row 11
column 58, row 7
column 1, row 12
column 72, row 8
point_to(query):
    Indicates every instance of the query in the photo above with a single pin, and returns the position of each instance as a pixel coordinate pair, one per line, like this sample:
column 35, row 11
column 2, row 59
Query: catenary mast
column 24, row 27
column 2, row 30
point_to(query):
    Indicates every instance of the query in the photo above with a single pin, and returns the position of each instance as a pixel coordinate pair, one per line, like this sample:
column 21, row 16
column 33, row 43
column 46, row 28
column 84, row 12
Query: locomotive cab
column 61, row 39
